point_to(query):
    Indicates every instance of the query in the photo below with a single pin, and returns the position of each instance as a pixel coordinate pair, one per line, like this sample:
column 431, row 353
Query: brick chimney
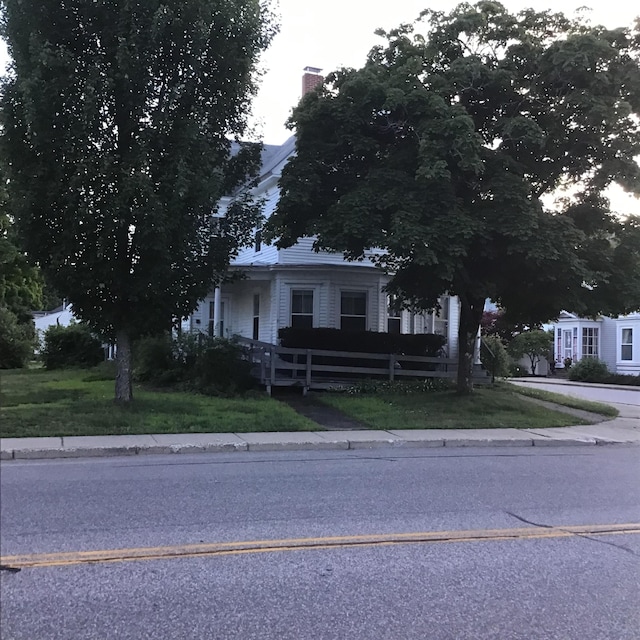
column 310, row 79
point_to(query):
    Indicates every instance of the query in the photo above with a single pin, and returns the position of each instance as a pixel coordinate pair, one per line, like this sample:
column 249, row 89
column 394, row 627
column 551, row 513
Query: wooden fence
column 319, row 369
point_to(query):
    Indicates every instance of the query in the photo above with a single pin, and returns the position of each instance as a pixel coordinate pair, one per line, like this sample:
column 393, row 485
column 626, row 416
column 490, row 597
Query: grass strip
column 566, row 401
column 487, row 408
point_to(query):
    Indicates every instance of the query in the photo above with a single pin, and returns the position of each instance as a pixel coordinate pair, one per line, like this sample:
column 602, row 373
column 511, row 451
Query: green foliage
column 494, row 356
column 16, row 341
column 105, row 370
column 516, row 370
column 621, row 378
column 533, row 344
column 222, row 369
column 117, row 127
column 589, row 370
column 155, row 360
column 20, row 282
column 496, row 323
column 444, row 148
column 72, row 346
column 399, row 387
column 214, row 366
column 426, row 344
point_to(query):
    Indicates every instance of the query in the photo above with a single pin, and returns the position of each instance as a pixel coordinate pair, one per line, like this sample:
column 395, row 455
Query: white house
column 62, row 316
column 302, row 288
column 615, row 341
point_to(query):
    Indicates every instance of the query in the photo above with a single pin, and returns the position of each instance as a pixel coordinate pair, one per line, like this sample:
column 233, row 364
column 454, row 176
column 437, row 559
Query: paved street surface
column 483, row 542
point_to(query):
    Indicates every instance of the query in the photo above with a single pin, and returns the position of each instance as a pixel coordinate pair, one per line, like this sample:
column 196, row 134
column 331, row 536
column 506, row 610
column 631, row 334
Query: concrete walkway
column 624, row 429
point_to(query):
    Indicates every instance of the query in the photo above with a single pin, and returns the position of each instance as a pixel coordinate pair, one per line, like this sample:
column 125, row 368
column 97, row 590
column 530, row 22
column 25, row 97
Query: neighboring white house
column 615, row 341
column 62, row 316
column 302, row 288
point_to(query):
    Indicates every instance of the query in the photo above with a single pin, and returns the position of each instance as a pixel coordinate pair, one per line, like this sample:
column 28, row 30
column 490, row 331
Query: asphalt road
column 480, row 579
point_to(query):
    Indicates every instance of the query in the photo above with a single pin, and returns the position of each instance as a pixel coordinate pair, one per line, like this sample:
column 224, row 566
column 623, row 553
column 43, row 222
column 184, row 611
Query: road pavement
column 457, row 543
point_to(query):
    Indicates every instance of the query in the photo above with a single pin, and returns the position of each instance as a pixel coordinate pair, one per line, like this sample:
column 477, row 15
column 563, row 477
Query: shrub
column 623, row 378
column 72, row 346
column 494, row 356
column 516, row 370
column 221, row 367
column 589, row 370
column 426, row 344
column 154, row 360
column 399, row 387
column 16, row 341
column 213, row 366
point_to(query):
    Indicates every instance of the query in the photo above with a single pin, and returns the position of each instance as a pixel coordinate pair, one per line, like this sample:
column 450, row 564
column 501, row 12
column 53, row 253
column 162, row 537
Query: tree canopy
column 445, row 148
column 117, row 126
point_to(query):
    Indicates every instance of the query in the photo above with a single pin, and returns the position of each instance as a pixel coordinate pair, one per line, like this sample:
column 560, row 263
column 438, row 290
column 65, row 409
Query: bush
column 154, row 360
column 72, row 346
column 516, row 370
column 623, row 378
column 16, row 341
column 213, row 366
column 426, row 344
column 222, row 368
column 494, row 356
column 399, row 387
column 589, row 370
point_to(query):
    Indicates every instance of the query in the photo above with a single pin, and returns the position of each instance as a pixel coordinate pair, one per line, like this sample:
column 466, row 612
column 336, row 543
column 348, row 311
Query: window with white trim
column 626, row 344
column 394, row 315
column 302, row 308
column 353, row 310
column 589, row 342
column 256, row 316
column 441, row 317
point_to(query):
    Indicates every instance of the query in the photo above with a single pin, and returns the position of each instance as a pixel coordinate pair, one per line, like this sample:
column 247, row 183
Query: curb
column 329, row 445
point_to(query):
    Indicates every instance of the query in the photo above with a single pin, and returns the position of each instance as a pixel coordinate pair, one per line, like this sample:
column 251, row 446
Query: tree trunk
column 470, row 316
column 124, row 392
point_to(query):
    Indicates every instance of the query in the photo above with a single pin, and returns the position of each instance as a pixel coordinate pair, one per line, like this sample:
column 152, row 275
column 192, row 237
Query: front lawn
column 72, row 402
column 486, row 408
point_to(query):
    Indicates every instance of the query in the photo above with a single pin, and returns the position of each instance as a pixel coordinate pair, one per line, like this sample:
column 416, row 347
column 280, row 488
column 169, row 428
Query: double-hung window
column 590, row 342
column 626, row 344
column 353, row 310
column 302, row 308
column 394, row 315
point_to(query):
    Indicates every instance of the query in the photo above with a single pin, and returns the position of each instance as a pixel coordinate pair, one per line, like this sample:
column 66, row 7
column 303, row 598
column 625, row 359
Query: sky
column 328, row 34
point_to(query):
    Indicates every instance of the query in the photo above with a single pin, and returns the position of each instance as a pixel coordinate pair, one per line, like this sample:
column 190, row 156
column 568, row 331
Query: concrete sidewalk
column 611, row 432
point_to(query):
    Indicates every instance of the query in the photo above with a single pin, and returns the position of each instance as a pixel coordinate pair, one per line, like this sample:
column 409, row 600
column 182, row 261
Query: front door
column 567, row 344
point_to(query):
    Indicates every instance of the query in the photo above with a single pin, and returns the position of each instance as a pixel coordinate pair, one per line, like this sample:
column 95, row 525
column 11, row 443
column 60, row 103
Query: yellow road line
column 291, row 544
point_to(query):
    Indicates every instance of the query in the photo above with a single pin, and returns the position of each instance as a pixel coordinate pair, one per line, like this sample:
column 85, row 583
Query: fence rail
column 319, row 369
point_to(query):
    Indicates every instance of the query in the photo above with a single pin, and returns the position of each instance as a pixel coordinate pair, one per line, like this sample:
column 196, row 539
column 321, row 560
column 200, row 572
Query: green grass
column 494, row 407
column 566, row 401
column 72, row 402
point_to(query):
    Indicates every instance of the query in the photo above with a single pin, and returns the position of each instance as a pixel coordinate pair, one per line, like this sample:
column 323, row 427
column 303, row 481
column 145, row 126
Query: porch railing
column 319, row 369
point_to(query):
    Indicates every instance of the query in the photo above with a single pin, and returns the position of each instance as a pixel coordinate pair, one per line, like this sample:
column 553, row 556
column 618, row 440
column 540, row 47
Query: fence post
column 272, row 376
column 392, row 366
column 308, row 379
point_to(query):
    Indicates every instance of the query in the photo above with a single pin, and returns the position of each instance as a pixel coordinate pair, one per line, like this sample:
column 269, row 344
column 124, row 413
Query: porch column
column 217, row 320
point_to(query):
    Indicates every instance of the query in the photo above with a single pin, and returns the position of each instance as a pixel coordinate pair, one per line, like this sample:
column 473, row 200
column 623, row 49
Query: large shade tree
column 445, row 148
column 117, row 125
